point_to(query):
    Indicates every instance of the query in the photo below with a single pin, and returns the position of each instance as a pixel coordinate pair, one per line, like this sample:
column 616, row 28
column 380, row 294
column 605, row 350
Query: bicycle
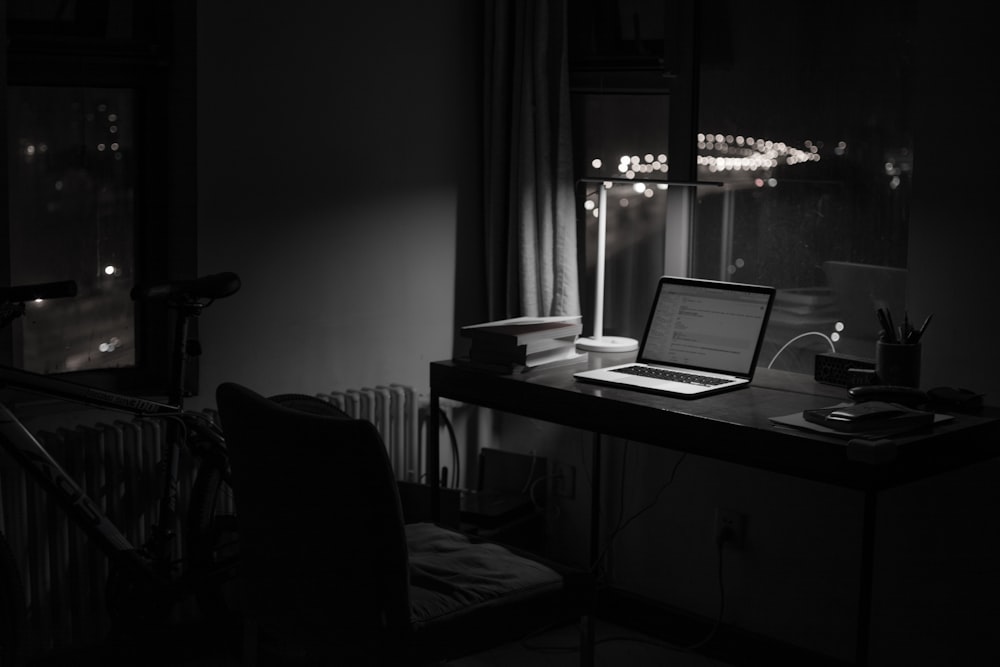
column 144, row 581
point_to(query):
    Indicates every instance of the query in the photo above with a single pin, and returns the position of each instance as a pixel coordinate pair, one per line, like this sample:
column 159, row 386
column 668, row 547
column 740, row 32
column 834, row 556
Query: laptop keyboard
column 675, row 376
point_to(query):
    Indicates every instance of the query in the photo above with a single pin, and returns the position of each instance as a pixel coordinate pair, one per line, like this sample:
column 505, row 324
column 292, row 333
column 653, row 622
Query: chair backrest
column 322, row 544
column 308, row 403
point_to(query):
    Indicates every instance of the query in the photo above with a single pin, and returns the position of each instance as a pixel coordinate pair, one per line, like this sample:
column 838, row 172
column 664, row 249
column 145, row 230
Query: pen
column 923, row 327
column 887, row 333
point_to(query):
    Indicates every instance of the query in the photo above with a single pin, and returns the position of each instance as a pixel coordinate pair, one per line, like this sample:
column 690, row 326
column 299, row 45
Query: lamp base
column 607, row 344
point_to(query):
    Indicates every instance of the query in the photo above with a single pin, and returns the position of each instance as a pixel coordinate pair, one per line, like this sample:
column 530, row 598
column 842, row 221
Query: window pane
column 810, row 133
column 72, row 216
column 624, row 136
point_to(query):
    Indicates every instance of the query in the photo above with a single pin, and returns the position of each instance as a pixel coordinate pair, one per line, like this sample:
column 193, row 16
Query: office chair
column 331, row 575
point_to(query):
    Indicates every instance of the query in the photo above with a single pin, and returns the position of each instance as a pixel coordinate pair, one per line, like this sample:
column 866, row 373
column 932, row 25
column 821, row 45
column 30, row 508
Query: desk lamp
column 599, row 342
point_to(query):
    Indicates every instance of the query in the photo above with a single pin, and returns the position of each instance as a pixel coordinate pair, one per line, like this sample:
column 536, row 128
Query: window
column 100, row 190
column 803, row 119
column 72, row 217
column 810, row 133
column 626, row 137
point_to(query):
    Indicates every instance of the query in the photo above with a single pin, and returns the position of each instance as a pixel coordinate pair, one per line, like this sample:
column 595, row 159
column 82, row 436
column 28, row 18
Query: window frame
column 159, row 66
column 680, row 74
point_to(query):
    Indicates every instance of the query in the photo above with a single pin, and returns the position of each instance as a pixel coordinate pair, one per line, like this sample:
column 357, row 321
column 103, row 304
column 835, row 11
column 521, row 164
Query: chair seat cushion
column 451, row 575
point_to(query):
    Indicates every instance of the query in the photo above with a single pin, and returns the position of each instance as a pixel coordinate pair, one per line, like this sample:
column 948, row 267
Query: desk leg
column 595, row 500
column 589, row 638
column 866, row 578
column 433, row 455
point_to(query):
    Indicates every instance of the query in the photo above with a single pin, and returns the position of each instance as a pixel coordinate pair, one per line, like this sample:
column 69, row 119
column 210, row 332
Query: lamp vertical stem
column 602, row 229
column 598, row 342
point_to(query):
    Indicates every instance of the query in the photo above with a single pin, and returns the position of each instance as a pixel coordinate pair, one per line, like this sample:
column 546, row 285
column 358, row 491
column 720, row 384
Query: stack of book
column 525, row 343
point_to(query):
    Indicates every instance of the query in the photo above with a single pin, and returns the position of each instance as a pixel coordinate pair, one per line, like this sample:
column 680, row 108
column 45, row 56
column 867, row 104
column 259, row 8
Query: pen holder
column 898, row 363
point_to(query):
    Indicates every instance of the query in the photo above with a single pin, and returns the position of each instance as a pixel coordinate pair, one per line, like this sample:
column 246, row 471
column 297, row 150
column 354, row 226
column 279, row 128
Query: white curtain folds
column 530, row 215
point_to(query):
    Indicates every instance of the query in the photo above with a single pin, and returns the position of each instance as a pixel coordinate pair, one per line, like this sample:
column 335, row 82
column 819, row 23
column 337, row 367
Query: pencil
column 923, row 327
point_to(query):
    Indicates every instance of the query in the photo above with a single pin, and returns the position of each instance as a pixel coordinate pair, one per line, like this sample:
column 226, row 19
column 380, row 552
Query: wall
column 954, row 235
column 333, row 160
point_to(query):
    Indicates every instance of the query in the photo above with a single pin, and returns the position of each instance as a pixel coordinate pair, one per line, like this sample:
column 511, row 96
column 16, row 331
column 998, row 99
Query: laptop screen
column 707, row 325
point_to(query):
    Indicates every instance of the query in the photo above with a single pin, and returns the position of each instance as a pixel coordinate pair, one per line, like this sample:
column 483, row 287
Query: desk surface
column 733, row 426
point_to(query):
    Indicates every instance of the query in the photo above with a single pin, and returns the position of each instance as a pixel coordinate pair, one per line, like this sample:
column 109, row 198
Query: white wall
column 330, row 148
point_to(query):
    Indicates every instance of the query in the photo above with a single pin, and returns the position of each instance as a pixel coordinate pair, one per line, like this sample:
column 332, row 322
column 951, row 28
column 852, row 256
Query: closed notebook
column 869, row 417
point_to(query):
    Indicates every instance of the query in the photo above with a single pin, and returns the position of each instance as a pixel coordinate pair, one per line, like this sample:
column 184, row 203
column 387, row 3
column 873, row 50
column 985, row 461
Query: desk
column 732, row 427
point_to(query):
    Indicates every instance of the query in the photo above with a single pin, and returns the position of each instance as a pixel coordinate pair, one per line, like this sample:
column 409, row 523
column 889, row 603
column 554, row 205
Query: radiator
column 117, row 466
column 397, row 413
column 401, row 416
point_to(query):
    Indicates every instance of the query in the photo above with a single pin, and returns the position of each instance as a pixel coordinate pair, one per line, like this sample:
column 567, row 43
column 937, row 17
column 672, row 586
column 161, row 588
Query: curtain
column 530, row 215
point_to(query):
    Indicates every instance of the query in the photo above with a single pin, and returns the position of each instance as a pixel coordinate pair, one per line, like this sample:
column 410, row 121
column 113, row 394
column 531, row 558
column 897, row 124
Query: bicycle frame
column 32, row 456
column 148, row 566
column 145, row 580
column 55, row 387
column 39, row 464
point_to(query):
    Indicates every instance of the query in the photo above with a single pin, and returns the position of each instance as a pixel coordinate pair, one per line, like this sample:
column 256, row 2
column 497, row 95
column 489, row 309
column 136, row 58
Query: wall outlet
column 563, row 480
column 730, row 527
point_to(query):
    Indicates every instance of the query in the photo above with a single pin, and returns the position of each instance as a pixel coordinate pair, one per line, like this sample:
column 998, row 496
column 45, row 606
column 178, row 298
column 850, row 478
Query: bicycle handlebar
column 22, row 293
column 215, row 286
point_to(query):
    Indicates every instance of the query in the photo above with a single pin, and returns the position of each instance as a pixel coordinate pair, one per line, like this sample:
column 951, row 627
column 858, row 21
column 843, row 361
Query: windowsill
column 794, row 381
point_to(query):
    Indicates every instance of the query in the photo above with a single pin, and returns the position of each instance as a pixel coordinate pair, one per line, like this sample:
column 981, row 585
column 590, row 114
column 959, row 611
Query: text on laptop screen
column 705, row 327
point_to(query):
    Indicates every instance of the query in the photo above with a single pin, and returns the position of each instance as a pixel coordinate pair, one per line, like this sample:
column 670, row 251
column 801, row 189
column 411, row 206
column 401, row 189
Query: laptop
column 702, row 337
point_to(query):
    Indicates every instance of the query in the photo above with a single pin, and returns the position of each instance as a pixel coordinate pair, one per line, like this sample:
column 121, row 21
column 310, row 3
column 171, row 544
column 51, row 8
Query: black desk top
column 733, row 426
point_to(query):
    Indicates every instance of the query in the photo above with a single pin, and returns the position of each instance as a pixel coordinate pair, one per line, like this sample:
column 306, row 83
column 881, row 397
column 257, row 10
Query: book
column 565, row 357
column 523, row 354
column 487, row 349
column 523, row 330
